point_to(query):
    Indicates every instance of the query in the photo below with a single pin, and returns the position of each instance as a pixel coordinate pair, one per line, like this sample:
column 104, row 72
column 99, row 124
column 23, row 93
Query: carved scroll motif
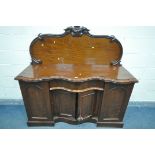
column 115, row 62
column 36, row 61
column 77, row 31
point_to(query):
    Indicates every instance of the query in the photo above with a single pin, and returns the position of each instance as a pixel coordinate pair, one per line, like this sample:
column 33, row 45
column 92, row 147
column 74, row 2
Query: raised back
column 76, row 46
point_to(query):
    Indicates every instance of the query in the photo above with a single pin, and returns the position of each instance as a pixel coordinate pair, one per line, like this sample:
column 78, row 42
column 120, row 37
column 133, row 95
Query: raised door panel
column 114, row 103
column 88, row 104
column 115, row 100
column 63, row 103
column 37, row 101
column 86, row 101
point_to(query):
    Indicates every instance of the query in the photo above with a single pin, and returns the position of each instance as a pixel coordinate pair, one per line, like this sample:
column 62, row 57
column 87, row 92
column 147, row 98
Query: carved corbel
column 113, row 38
column 116, row 62
column 36, row 61
column 40, row 36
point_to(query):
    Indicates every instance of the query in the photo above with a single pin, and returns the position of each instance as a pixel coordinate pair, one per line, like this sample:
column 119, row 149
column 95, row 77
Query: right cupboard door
column 115, row 100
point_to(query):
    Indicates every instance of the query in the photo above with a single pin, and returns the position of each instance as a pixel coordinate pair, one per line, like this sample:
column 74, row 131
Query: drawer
column 77, row 86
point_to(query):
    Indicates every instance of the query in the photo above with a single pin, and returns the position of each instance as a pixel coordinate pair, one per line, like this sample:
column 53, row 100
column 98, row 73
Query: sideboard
column 76, row 77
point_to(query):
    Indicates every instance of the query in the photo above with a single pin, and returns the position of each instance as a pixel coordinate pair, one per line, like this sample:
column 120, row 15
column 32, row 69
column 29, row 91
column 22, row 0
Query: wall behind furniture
column 138, row 45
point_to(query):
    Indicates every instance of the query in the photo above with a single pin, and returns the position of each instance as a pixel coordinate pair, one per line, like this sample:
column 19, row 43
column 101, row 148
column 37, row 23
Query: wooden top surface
column 76, row 73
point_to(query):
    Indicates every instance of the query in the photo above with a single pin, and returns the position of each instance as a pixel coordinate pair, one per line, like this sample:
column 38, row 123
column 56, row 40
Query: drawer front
column 77, row 86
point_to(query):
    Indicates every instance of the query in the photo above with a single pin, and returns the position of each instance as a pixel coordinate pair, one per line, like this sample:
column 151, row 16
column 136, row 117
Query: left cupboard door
column 37, row 102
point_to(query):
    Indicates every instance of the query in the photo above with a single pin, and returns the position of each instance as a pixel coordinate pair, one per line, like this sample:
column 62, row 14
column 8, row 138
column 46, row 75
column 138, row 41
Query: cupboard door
column 63, row 103
column 115, row 100
column 37, row 100
column 88, row 104
column 86, row 101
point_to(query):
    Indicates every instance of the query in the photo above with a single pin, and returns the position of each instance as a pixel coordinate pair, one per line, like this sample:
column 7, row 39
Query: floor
column 138, row 116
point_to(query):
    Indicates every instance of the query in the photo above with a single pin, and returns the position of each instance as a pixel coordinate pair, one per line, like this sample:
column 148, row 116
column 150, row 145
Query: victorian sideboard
column 76, row 77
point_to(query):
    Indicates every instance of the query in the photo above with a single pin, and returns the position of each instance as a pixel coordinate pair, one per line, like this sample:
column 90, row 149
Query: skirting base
column 75, row 122
column 40, row 123
column 110, row 124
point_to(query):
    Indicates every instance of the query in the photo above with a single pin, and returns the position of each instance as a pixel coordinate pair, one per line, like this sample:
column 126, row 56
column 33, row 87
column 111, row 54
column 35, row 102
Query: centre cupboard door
column 76, row 106
column 89, row 103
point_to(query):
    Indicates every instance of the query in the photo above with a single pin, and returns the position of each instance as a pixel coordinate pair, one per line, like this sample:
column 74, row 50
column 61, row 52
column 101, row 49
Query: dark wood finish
column 77, row 86
column 37, row 99
column 88, row 104
column 114, row 103
column 76, row 77
column 64, row 103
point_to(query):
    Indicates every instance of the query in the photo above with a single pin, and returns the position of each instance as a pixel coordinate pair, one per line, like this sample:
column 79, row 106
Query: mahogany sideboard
column 76, row 77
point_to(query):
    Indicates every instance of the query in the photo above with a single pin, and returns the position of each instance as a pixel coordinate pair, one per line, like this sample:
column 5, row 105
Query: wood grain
column 76, row 73
column 76, row 50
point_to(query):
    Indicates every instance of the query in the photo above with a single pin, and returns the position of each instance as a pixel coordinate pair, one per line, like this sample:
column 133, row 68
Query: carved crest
column 76, row 31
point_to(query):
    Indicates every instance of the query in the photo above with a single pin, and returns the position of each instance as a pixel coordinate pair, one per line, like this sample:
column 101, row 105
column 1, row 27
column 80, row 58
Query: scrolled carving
column 115, row 62
column 76, row 31
column 113, row 38
column 80, row 118
column 36, row 61
column 40, row 36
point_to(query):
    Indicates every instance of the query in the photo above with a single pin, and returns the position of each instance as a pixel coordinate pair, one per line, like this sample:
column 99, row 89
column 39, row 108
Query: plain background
column 88, row 13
